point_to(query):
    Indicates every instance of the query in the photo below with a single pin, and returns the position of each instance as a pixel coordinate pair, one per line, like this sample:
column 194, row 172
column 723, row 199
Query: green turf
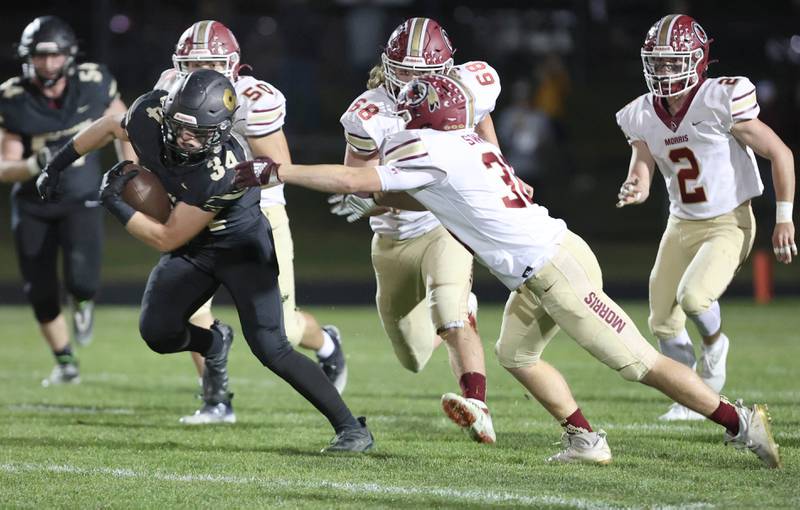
column 114, row 441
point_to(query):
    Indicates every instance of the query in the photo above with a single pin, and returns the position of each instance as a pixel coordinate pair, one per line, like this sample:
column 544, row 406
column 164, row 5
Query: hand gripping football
column 146, row 194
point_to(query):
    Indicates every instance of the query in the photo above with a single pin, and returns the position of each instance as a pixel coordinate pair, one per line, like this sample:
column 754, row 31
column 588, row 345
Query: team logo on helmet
column 229, row 99
column 419, row 92
column 699, row 32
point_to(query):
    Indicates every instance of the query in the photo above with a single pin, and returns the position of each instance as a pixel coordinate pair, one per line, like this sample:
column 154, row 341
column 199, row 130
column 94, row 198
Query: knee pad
column 45, row 302
column 664, row 328
column 162, row 340
column 295, row 326
column 513, row 358
column 634, row 372
column 692, row 303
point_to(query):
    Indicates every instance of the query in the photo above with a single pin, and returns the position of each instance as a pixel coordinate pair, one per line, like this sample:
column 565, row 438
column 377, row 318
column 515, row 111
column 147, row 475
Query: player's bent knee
column 45, row 310
column 664, row 329
column 692, row 303
column 634, row 372
column 514, row 358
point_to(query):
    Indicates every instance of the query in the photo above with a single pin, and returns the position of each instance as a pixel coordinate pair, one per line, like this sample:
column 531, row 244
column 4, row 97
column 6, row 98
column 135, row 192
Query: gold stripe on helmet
column 201, row 33
column 417, row 37
column 664, row 30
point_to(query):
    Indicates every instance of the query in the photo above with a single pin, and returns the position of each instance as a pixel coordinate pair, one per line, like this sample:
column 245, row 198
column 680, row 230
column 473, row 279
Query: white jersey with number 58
column 707, row 171
column 470, row 187
column 261, row 112
column 370, row 119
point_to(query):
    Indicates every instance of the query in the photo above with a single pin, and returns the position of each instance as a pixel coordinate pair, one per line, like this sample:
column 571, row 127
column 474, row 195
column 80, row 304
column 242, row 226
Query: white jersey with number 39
column 370, row 119
column 707, row 171
column 470, row 187
column 261, row 111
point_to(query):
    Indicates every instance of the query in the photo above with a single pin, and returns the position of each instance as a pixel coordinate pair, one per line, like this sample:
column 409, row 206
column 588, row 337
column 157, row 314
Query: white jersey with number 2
column 707, row 171
column 472, row 190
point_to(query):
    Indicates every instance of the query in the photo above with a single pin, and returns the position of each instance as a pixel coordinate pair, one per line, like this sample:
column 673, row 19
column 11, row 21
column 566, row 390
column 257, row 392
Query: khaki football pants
column 567, row 293
column 423, row 285
column 294, row 322
column 695, row 263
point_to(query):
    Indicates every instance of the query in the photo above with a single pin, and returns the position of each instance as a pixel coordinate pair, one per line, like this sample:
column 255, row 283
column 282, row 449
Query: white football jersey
column 707, row 171
column 261, row 111
column 371, row 118
column 470, row 187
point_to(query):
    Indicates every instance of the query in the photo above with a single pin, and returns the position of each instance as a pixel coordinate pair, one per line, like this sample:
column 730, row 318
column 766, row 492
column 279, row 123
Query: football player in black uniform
column 215, row 235
column 40, row 110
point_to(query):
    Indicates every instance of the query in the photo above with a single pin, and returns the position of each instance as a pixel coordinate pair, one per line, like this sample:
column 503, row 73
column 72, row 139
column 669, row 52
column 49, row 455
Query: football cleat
column 355, row 440
column 215, row 374
column 83, row 321
column 712, row 363
column 678, row 412
column 63, row 373
column 334, row 365
column 472, row 311
column 470, row 414
column 585, row 447
column 211, row 414
column 755, row 434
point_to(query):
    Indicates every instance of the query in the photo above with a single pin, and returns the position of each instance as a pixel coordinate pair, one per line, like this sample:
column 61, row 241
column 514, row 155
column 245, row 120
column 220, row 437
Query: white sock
column 708, row 322
column 327, row 346
column 679, row 348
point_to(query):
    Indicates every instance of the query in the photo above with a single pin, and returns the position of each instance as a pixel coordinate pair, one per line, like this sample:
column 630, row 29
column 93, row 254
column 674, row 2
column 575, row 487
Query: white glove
column 351, row 206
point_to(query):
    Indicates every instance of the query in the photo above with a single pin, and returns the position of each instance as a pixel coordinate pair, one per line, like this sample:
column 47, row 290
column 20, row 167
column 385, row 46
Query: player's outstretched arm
column 12, row 167
column 636, row 187
column 763, row 140
column 264, row 172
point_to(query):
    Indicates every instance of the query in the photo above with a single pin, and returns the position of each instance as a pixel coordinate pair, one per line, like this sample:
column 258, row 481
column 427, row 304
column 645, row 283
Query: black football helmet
column 47, row 35
column 204, row 103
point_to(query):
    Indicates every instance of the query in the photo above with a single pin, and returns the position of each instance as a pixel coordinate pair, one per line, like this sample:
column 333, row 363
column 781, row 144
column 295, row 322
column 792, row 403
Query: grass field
column 114, row 441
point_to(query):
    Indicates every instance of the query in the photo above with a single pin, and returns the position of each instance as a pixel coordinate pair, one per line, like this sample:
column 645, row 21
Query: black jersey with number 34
column 42, row 122
column 207, row 184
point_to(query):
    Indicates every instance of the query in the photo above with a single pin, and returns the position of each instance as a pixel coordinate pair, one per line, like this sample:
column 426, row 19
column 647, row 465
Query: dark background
column 566, row 68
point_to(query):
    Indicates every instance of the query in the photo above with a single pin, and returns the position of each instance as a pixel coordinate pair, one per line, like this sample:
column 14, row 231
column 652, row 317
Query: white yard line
column 470, row 496
column 47, row 408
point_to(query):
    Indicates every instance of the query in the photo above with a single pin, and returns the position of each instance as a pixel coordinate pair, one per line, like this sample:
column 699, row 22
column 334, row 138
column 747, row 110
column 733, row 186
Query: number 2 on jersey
column 698, row 193
column 516, row 198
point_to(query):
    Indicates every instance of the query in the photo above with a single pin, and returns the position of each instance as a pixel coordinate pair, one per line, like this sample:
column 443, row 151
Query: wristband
column 783, row 212
column 65, row 156
column 33, row 166
column 119, row 209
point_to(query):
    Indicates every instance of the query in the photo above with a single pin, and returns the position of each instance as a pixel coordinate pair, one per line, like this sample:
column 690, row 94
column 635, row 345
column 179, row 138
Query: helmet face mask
column 47, row 35
column 417, row 47
column 198, row 116
column 211, row 43
column 674, row 55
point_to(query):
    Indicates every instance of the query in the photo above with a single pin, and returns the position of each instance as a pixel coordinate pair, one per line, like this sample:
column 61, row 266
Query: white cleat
column 66, row 373
column 211, row 414
column 678, row 412
column 470, row 414
column 586, row 447
column 755, row 434
column 713, row 361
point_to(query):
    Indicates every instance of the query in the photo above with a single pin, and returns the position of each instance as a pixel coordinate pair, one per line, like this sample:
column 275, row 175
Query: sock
column 708, row 322
column 726, row 416
column 64, row 356
column 473, row 385
column 575, row 423
column 328, row 346
column 679, row 348
column 204, row 341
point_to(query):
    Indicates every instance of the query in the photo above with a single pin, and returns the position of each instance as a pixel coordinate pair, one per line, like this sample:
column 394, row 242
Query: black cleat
column 355, row 440
column 215, row 375
column 334, row 365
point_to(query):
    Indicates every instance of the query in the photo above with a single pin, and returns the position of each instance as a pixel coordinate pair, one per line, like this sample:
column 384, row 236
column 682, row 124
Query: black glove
column 256, row 172
column 47, row 182
column 114, row 182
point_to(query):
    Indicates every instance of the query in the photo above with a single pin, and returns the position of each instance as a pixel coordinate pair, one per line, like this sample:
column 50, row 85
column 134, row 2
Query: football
column 146, row 194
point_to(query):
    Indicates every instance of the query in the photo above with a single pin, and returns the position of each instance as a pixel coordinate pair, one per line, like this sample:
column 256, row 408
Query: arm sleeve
column 401, row 179
column 626, row 120
column 743, row 101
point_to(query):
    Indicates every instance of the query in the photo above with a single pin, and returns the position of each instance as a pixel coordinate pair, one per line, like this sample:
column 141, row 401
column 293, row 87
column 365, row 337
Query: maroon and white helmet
column 675, row 55
column 419, row 45
column 208, row 41
column 436, row 101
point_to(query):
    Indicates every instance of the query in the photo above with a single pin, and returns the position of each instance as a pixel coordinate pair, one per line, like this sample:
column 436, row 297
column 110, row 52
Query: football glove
column 261, row 172
column 351, row 206
column 39, row 160
column 114, row 182
column 47, row 182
